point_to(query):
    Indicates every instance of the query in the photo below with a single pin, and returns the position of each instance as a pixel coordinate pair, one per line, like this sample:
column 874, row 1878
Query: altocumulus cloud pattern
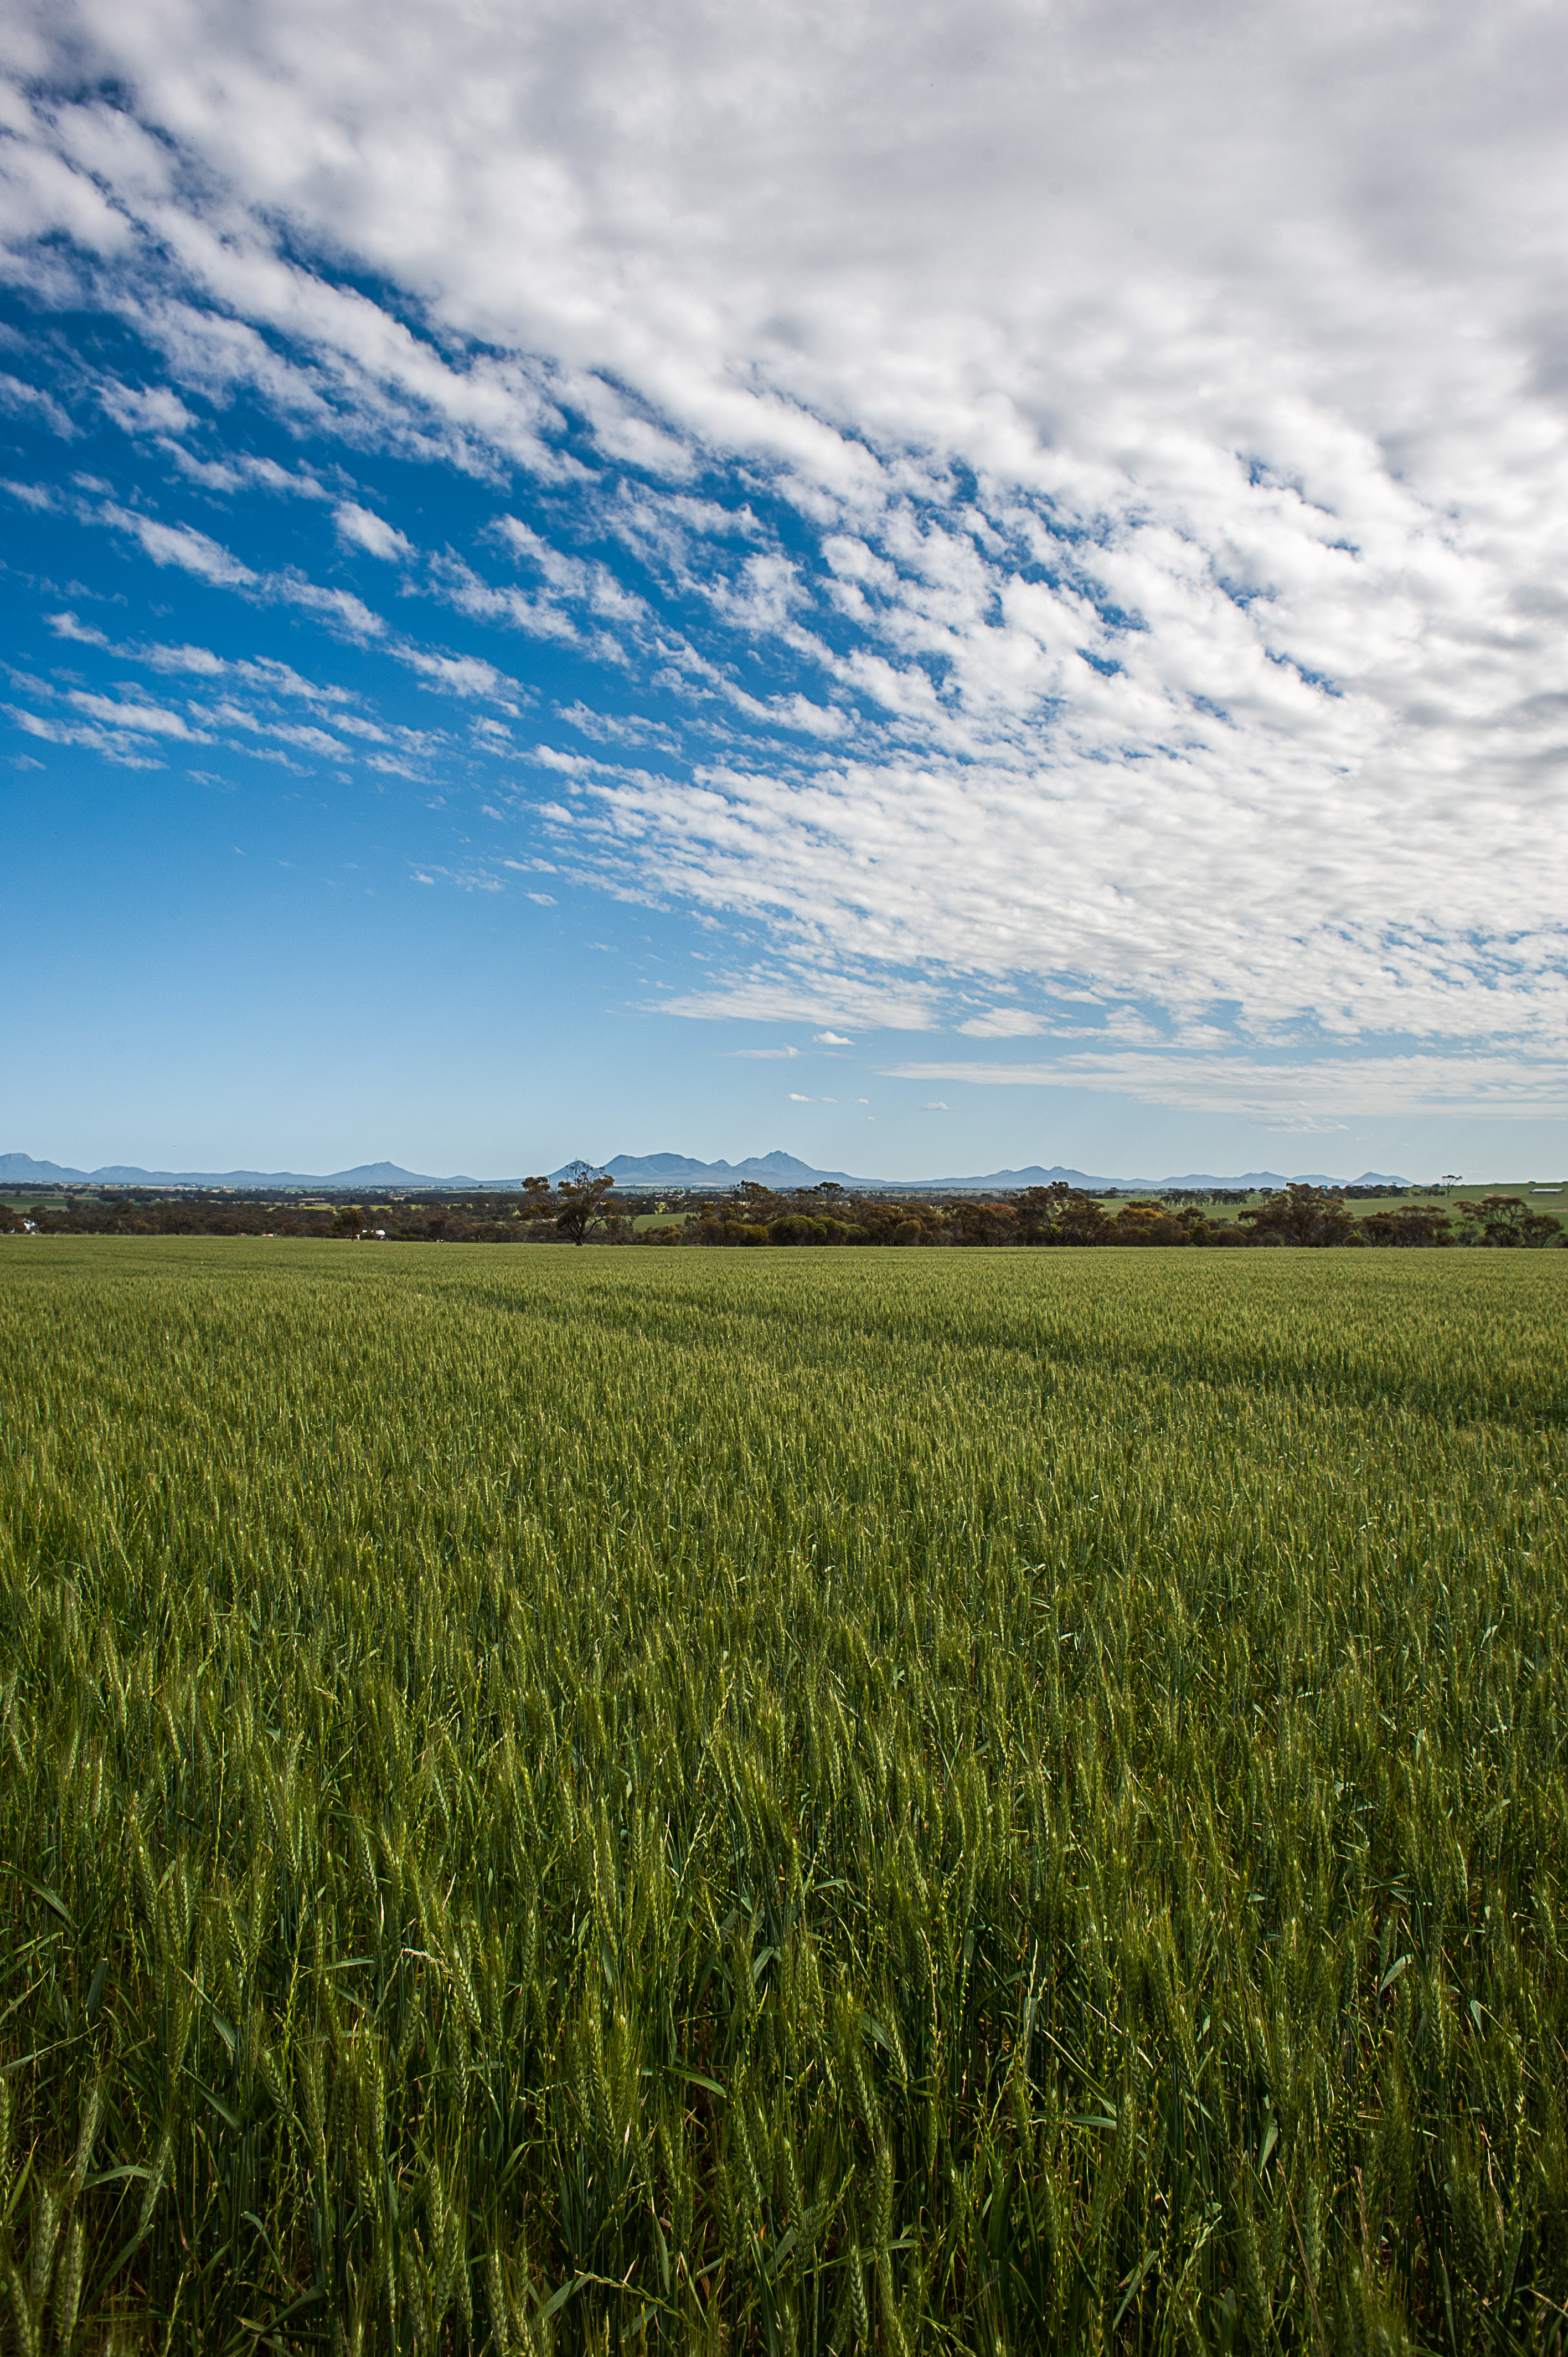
column 1049, row 518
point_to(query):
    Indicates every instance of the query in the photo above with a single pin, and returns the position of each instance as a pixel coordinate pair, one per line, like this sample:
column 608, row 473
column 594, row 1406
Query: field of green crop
column 791, row 1800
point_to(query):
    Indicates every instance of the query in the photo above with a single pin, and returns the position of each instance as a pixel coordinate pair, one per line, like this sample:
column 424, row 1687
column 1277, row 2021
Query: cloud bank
column 1084, row 489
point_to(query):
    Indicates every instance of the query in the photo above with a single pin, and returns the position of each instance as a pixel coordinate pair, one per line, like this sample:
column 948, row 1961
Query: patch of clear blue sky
column 332, row 920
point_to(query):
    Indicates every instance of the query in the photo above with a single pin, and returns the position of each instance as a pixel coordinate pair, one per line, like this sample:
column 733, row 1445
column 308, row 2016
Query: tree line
column 1060, row 1214
column 582, row 1206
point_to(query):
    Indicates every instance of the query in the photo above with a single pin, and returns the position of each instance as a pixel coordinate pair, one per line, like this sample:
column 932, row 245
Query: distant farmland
column 785, row 1801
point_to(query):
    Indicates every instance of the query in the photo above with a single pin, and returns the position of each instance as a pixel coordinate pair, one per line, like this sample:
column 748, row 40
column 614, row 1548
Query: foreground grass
column 782, row 1800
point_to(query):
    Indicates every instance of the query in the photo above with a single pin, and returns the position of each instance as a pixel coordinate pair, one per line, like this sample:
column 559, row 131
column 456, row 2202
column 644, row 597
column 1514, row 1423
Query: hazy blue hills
column 649, row 1172
column 775, row 1169
column 780, row 1170
column 21, row 1170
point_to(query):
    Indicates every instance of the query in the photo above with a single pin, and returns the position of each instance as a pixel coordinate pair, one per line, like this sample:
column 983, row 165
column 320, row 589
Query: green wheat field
column 787, row 1802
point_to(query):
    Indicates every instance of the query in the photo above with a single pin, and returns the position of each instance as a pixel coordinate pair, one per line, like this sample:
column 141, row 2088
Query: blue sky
column 935, row 589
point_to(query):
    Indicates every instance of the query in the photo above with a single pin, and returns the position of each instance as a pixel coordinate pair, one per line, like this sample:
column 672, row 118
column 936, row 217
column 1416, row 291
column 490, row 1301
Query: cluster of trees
column 1506, row 1219
column 582, row 1206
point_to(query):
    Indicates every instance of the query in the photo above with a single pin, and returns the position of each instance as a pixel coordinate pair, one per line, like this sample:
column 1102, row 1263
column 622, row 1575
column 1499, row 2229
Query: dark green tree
column 1299, row 1215
column 1507, row 1221
column 580, row 1194
column 1410, row 1224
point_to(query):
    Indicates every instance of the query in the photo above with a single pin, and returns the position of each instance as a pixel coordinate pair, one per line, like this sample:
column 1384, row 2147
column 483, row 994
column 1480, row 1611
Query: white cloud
column 140, row 719
column 340, row 605
column 621, row 728
column 144, row 410
column 114, row 745
column 181, row 545
column 464, row 675
column 831, row 1039
column 194, row 553
column 469, row 594
column 362, row 529
column 1314, row 1093
column 31, row 398
column 200, row 661
column 302, row 735
column 775, row 993
column 936, row 1106
column 281, row 679
column 69, row 626
column 1003, row 1023
column 244, row 470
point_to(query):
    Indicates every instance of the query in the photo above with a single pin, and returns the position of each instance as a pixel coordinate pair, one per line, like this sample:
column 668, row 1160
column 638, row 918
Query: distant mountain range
column 651, row 1173
column 21, row 1170
column 780, row 1170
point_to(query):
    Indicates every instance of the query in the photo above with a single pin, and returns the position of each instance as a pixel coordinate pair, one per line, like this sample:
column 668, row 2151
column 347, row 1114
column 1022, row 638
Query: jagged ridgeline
column 782, row 1801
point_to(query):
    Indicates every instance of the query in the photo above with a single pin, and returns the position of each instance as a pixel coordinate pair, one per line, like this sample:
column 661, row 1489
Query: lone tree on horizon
column 580, row 1193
